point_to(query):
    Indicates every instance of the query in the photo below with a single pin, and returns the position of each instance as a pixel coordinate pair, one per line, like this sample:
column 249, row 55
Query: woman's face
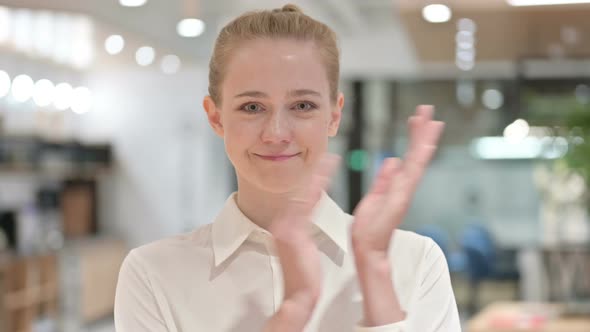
column 276, row 113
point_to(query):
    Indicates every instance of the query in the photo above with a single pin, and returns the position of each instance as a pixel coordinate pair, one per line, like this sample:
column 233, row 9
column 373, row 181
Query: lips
column 277, row 157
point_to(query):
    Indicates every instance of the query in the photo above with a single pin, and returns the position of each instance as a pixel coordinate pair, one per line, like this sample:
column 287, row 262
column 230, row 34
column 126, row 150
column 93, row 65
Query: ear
column 336, row 115
column 213, row 115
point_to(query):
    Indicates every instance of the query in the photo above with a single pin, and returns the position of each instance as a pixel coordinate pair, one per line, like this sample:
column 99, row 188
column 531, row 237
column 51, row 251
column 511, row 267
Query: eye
column 304, row 106
column 251, row 108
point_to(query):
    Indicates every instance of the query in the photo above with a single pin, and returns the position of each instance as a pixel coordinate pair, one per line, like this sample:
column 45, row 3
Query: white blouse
column 225, row 276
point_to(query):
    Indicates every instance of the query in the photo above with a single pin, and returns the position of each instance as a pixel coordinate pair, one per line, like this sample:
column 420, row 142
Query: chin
column 278, row 184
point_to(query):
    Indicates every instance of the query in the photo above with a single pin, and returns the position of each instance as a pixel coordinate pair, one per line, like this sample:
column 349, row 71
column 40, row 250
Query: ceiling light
column 22, row 88
column 132, row 3
column 466, row 56
column 436, row 13
column 170, row 64
column 465, row 39
column 190, row 27
column 544, row 2
column 114, row 44
column 43, row 93
column 499, row 148
column 145, row 56
column 466, row 24
column 464, row 65
column 516, row 131
column 493, row 99
column 63, row 96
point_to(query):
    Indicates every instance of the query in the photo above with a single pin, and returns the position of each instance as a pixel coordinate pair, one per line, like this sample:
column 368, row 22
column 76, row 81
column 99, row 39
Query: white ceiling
column 373, row 36
column 156, row 21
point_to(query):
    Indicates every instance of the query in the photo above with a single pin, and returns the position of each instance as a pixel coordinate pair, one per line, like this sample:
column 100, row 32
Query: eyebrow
column 303, row 92
column 292, row 93
column 253, row 94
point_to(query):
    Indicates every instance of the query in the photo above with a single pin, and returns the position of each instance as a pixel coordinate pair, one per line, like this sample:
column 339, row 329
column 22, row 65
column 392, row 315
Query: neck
column 260, row 206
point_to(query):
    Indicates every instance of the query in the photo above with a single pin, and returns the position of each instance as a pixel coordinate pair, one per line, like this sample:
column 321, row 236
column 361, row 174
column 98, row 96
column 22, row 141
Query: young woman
column 281, row 255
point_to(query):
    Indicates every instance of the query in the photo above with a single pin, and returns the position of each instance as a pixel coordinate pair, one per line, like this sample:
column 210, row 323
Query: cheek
column 236, row 130
column 239, row 135
column 312, row 127
column 312, row 134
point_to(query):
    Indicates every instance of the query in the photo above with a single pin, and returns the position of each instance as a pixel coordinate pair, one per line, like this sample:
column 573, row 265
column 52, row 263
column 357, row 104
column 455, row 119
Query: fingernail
column 426, row 110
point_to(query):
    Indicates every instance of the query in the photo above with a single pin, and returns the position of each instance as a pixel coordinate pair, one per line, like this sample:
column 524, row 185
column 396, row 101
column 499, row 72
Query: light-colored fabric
column 225, row 276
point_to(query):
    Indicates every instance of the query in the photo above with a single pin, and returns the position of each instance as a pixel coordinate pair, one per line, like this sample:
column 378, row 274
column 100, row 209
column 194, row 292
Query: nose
column 277, row 128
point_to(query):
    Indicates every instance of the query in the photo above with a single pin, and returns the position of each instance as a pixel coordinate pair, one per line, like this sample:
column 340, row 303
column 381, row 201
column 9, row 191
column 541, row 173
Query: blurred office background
column 104, row 145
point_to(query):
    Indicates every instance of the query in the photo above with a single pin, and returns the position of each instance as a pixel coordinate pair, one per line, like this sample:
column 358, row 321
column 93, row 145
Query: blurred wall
column 171, row 172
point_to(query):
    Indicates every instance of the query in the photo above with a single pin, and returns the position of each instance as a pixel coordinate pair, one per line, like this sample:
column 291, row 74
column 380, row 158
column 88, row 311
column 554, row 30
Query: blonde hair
column 286, row 22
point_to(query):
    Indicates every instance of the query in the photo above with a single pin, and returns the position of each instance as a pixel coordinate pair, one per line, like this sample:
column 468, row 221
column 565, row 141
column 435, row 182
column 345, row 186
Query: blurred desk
column 521, row 316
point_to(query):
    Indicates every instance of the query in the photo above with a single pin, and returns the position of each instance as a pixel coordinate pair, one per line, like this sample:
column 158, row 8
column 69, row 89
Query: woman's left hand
column 383, row 209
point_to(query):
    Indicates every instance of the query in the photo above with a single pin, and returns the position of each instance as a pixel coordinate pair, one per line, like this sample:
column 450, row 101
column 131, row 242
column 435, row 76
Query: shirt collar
column 332, row 221
column 231, row 227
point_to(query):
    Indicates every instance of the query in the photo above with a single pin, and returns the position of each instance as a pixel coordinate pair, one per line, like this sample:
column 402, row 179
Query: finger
column 417, row 122
column 416, row 162
column 431, row 131
column 386, row 173
column 424, row 135
column 425, row 112
column 414, row 127
column 414, row 166
column 422, row 151
column 397, row 201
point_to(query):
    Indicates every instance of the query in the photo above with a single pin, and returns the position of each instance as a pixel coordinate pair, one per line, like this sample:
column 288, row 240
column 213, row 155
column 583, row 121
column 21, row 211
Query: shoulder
column 415, row 255
column 169, row 253
column 413, row 244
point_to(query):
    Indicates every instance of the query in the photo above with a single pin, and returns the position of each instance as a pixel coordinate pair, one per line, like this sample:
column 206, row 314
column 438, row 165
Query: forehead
column 275, row 65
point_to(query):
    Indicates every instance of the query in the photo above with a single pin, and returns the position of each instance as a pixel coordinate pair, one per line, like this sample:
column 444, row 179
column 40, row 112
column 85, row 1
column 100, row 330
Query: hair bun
column 288, row 8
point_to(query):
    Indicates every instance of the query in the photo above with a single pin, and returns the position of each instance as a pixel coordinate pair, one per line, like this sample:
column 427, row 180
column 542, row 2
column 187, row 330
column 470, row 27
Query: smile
column 279, row 157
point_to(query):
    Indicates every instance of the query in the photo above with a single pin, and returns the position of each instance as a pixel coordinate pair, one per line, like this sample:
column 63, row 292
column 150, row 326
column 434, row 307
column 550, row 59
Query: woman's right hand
column 298, row 253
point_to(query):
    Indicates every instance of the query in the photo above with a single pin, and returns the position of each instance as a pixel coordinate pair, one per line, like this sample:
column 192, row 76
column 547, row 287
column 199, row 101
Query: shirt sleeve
column 136, row 308
column 433, row 307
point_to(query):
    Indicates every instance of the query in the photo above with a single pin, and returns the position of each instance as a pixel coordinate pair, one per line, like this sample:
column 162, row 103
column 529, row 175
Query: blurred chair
column 456, row 260
column 485, row 262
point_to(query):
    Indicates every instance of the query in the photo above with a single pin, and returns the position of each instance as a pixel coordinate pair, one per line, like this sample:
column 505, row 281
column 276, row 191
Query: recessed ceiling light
column 436, row 13
column 62, row 96
column 132, row 3
column 190, row 27
column 493, row 99
column 466, row 24
column 114, row 44
column 170, row 64
column 144, row 56
column 43, row 92
column 22, row 88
